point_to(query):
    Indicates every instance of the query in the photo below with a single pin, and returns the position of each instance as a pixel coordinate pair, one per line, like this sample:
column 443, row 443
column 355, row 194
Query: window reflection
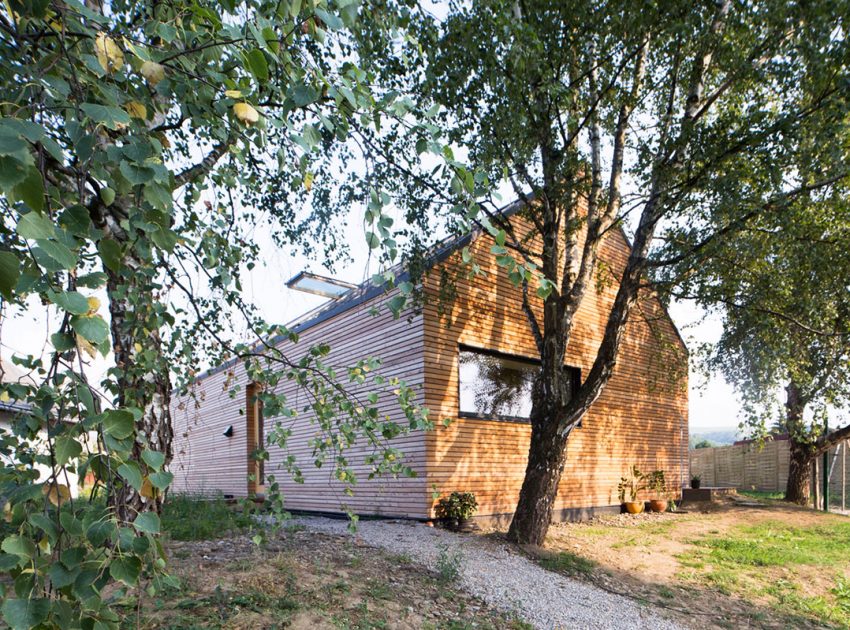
column 492, row 386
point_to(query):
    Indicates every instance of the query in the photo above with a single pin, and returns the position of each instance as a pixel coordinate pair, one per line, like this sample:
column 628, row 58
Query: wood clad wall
column 641, row 418
column 206, row 461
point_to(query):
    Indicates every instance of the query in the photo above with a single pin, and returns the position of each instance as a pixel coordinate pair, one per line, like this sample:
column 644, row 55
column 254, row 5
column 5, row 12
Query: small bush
column 198, row 517
column 448, row 564
column 458, row 505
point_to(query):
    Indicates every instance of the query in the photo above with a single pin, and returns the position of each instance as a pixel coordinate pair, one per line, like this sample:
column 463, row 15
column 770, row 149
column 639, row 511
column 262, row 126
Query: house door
column 254, row 419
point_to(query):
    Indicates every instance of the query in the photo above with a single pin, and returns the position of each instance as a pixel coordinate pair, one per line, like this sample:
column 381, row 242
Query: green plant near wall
column 631, row 484
column 457, row 506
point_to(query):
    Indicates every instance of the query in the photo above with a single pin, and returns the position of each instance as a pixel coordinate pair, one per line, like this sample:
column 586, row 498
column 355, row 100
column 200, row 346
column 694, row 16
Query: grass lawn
column 298, row 580
column 768, row 566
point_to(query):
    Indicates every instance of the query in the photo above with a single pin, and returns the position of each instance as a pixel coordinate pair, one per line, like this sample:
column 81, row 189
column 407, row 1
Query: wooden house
column 471, row 359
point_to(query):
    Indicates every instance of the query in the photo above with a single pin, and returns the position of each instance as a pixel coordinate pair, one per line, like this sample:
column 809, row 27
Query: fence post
column 843, row 472
column 815, row 485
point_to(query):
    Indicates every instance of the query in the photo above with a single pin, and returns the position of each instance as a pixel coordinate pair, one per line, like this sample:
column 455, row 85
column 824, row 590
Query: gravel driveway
column 504, row 578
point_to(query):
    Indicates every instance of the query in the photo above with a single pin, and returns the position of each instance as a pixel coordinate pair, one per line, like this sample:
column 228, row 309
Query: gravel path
column 504, row 578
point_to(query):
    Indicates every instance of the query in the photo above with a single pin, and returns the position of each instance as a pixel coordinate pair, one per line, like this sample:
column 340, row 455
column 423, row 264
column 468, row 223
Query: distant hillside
column 720, row 437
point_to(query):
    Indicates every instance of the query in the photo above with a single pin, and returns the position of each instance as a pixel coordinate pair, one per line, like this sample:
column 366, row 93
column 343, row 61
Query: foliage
column 631, row 485
column 458, row 505
column 200, row 517
column 449, row 562
column 143, row 147
column 695, row 481
column 704, row 443
column 656, row 482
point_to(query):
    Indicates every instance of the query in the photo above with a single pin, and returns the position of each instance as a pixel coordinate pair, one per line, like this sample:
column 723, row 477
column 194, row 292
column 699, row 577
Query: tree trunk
column 547, row 454
column 799, row 476
column 143, row 380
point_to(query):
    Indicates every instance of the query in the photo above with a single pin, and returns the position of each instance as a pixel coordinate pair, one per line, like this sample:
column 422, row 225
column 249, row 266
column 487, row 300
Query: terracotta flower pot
column 658, row 505
column 634, row 507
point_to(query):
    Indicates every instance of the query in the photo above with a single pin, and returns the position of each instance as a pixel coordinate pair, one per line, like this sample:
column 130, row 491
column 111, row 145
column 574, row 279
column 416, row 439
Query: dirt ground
column 653, row 557
column 305, row 581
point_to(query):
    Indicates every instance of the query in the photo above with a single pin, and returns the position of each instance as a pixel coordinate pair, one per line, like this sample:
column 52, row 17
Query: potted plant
column 456, row 510
column 630, row 486
column 695, row 481
column 657, row 484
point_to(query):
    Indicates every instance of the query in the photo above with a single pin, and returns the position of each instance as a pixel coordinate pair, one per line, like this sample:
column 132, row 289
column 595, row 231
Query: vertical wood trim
column 254, row 432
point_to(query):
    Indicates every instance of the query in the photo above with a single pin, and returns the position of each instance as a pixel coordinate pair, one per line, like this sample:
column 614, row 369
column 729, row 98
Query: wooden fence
column 748, row 467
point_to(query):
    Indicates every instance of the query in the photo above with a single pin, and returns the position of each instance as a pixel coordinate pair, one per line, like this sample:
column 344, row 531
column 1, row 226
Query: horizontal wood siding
column 206, row 460
column 641, row 418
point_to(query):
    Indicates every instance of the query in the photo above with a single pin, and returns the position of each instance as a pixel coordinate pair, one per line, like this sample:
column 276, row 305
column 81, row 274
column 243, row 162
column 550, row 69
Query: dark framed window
column 497, row 386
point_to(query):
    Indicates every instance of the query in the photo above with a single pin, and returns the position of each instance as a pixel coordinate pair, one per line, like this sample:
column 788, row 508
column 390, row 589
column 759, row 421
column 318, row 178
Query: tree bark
column 143, row 379
column 799, row 484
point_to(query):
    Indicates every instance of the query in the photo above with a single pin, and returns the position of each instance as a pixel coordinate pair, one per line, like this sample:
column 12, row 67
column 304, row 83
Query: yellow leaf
column 137, row 347
column 233, row 93
column 246, row 114
column 108, row 53
column 308, row 181
column 94, row 306
column 136, row 109
column 86, row 347
column 56, row 493
column 44, row 545
column 148, row 491
column 7, row 512
column 153, row 72
column 4, row 396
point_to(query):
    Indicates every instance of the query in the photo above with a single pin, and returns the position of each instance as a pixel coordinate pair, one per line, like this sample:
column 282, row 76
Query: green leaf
column 56, row 251
column 147, row 522
column 19, row 546
column 303, row 94
column 126, row 569
column 257, row 64
column 93, row 329
column 31, row 190
column 60, row 576
column 76, row 220
column 118, row 423
column 67, row 448
column 62, row 342
column 35, row 226
column 373, row 240
column 396, row 304
column 92, row 280
column 154, row 459
column 25, row 613
column 107, row 195
column 73, row 302
column 10, row 271
column 161, row 480
column 110, row 117
column 131, row 472
column 110, row 254
column 137, row 174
